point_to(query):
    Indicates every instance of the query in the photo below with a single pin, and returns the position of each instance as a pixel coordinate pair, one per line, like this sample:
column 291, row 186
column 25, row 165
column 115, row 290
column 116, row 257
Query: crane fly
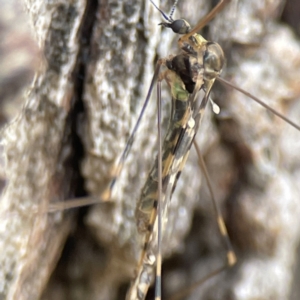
column 195, row 69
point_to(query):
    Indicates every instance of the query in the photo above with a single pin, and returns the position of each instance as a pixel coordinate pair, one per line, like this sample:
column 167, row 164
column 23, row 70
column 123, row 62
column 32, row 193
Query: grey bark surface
column 98, row 63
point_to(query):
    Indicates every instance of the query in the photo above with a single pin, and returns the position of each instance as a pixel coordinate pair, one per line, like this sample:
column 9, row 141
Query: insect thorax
column 198, row 56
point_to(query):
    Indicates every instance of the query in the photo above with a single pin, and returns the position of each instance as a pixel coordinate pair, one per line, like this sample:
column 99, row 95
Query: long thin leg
column 144, row 271
column 183, row 293
column 159, row 204
column 220, row 6
column 231, row 258
column 72, row 203
column 106, row 195
column 275, row 112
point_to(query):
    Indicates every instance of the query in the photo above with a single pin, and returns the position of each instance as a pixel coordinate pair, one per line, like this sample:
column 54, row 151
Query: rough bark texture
column 98, row 63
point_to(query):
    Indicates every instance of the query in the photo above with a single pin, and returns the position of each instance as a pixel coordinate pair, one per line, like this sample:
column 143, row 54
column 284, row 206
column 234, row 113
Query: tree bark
column 86, row 96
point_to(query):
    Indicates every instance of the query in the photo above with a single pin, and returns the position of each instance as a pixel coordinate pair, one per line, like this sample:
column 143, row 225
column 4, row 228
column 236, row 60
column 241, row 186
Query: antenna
column 173, row 10
column 168, row 19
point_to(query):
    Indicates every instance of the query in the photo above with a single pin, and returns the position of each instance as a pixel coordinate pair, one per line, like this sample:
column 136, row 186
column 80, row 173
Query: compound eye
column 179, row 26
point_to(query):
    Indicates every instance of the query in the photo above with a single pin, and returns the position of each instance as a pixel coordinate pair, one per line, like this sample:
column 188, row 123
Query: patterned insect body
column 194, row 69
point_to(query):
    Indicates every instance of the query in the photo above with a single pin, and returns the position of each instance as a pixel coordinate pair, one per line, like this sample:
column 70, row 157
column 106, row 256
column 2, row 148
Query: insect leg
column 231, row 258
column 106, row 195
column 159, row 204
column 219, row 7
column 275, row 112
column 185, row 292
column 139, row 287
column 117, row 170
